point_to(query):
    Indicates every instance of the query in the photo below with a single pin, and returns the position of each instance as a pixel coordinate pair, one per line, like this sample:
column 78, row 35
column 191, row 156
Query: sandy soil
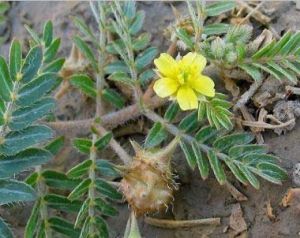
column 196, row 198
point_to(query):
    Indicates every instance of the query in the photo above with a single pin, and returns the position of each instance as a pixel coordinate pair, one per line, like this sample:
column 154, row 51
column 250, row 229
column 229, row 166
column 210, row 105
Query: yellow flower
column 183, row 79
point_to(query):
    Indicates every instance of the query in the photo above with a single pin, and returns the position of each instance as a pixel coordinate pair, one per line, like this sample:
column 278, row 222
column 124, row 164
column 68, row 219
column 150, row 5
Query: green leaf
column 4, row 6
column 286, row 73
column 11, row 165
column 35, row 89
column 216, row 29
column 15, row 142
column 252, row 159
column 83, row 27
column 103, row 141
column 202, row 162
column 41, row 230
column 101, row 227
column 236, row 171
column 107, row 190
column 80, row 189
column 263, row 51
column 104, row 208
column 115, row 47
column 189, row 154
column 31, row 225
column 201, row 111
column 32, row 64
column 250, row 177
column 137, row 24
column 82, row 213
column 5, row 231
column 56, row 145
column 106, row 168
column 269, row 70
column 218, row 8
column 33, row 35
column 86, row 50
column 252, row 71
column 281, row 43
column 80, row 169
column 32, row 179
column 25, row 116
column 83, row 145
column 62, row 203
column 122, row 78
column 132, row 229
column 242, row 150
column 156, row 135
column 59, row 180
column 146, row 77
column 64, row 227
column 85, row 227
column 5, row 81
column 189, row 123
column 185, row 37
column 129, row 9
column 48, row 33
column 226, row 142
column 113, row 97
column 55, row 66
column 270, row 172
column 15, row 59
column 141, row 42
column 206, row 133
column 145, row 58
column 51, row 51
column 216, row 167
column 116, row 66
column 171, row 111
column 14, row 191
column 85, row 84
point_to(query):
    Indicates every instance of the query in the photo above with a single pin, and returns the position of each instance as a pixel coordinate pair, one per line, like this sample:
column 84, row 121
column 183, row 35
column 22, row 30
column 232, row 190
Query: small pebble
column 296, row 174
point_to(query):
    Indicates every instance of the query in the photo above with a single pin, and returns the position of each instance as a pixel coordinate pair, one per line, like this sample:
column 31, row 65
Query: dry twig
column 173, row 224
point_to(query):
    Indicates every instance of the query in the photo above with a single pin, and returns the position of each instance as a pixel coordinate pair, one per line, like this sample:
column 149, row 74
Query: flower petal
column 165, row 87
column 203, row 85
column 166, row 65
column 187, row 98
column 195, row 61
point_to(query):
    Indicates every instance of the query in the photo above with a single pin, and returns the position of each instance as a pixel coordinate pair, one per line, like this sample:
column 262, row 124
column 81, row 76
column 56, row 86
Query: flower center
column 183, row 76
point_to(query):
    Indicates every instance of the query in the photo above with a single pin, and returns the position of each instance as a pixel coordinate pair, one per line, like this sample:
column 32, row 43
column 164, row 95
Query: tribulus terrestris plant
column 124, row 78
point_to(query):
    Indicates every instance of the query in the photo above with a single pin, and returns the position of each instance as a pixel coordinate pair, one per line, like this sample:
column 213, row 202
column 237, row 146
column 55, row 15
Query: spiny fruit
column 147, row 183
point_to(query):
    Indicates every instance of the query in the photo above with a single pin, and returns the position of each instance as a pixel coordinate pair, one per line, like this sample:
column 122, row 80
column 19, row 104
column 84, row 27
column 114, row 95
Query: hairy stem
column 99, row 112
column 41, row 191
column 109, row 121
column 118, row 149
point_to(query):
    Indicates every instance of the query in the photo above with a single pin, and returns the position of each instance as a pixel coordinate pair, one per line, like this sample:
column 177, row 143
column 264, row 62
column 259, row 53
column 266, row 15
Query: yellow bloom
column 183, row 79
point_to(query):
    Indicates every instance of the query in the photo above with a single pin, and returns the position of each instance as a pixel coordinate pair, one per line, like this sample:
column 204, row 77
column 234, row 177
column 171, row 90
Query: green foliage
column 25, row 87
column 278, row 58
column 156, row 135
column 244, row 160
column 101, row 190
column 86, row 190
column 4, row 7
column 198, row 17
column 131, row 46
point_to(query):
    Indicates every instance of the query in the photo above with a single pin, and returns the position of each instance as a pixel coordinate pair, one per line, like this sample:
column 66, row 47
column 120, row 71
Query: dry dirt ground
column 196, row 198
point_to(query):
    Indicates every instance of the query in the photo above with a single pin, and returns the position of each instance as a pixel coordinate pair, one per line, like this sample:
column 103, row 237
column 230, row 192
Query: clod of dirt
column 285, row 111
column 270, row 91
column 296, row 174
column 292, row 199
column 270, row 212
column 236, row 220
